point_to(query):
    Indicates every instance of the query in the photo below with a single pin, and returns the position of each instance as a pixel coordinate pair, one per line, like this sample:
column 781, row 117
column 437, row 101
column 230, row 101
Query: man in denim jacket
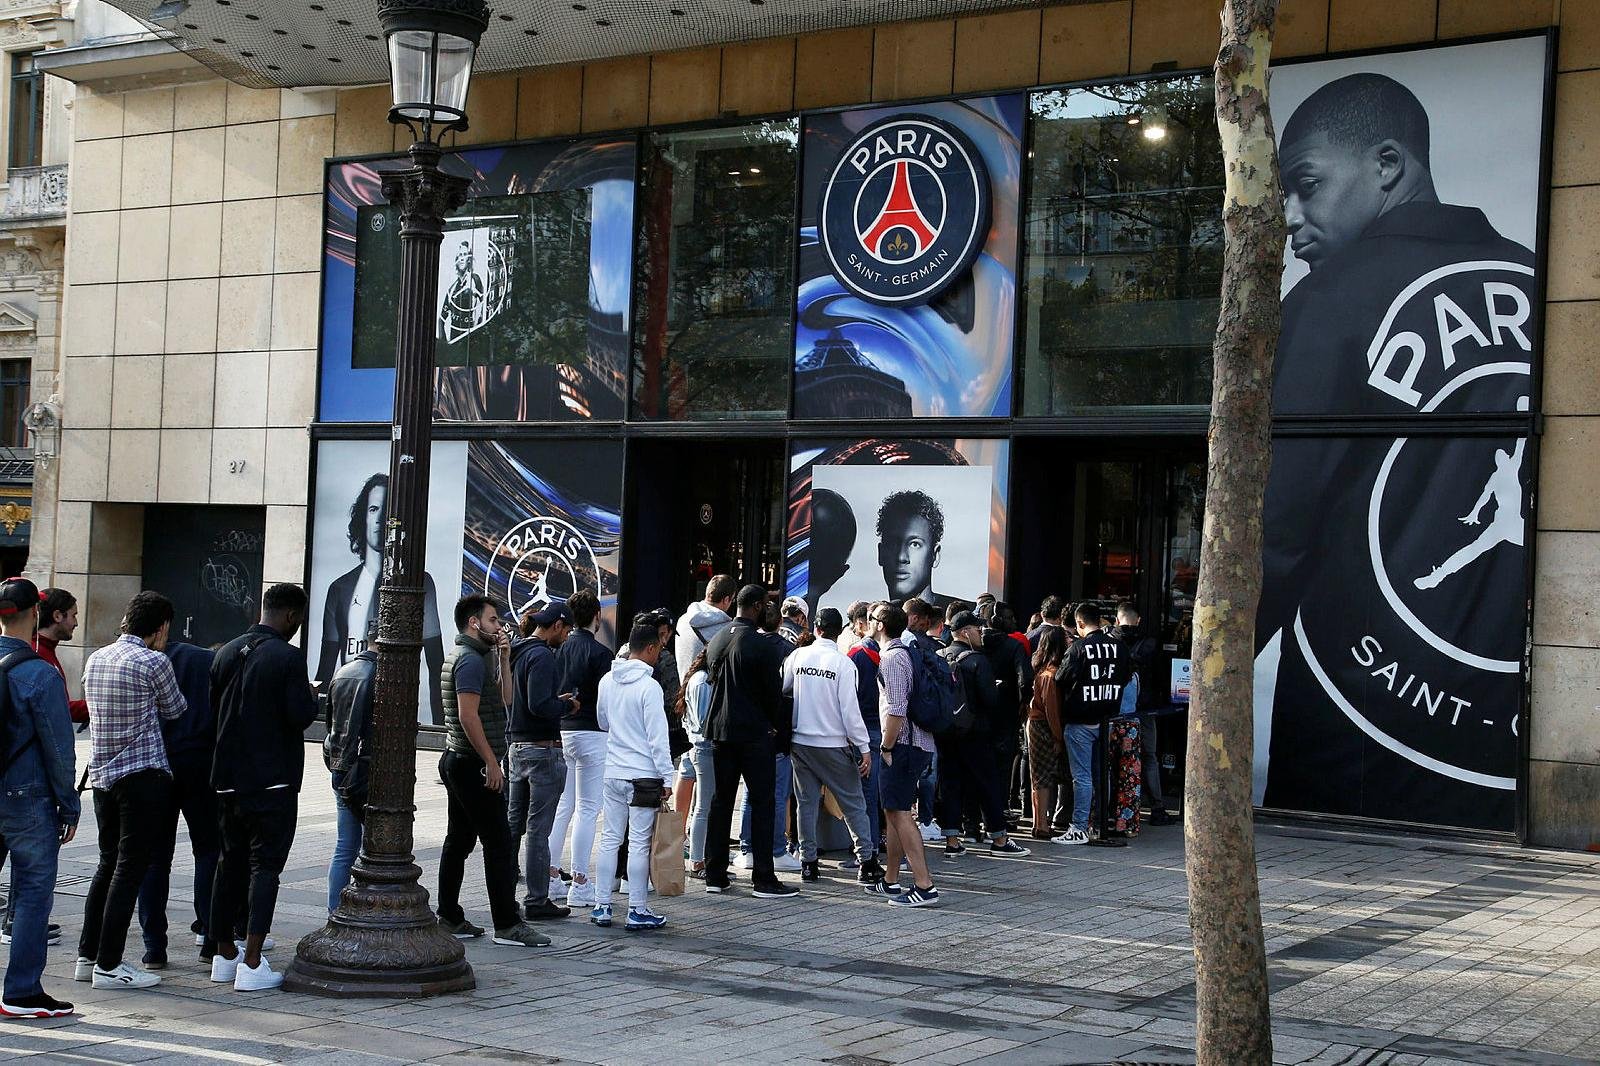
column 38, row 804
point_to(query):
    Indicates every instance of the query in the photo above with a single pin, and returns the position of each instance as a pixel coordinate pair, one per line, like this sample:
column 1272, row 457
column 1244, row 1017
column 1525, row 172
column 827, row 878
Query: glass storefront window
column 1123, row 247
column 715, row 273
column 1186, row 502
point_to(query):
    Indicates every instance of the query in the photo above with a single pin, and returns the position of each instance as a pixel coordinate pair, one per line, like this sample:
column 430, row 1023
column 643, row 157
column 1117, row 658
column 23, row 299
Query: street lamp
column 383, row 940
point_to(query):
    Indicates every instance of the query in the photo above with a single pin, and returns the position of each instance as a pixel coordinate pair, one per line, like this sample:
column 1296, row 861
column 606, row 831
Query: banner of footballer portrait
column 531, row 318
column 528, row 523
column 893, row 518
column 1391, row 631
column 908, row 260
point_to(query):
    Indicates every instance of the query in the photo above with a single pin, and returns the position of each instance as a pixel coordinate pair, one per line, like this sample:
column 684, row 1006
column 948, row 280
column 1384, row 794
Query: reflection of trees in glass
column 715, row 273
column 531, row 257
column 1124, row 245
column 1186, row 496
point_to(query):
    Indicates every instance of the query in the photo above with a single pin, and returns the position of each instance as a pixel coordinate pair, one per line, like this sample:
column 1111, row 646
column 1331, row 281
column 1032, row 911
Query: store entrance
column 698, row 508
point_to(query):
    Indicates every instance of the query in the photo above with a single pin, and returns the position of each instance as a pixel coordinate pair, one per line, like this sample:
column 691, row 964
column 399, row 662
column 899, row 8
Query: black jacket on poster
column 1090, row 679
column 536, row 712
column 745, row 667
column 263, row 705
column 978, row 690
column 583, row 661
column 1013, row 678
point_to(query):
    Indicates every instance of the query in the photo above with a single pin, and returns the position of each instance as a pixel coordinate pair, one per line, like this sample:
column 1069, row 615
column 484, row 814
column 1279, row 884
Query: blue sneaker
column 643, row 918
column 601, row 915
column 917, row 897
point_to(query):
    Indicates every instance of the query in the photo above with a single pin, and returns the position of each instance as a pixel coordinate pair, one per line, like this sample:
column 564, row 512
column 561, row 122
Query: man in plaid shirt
column 130, row 687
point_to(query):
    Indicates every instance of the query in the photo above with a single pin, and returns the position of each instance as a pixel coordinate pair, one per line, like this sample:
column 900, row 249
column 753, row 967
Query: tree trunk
column 1232, row 1014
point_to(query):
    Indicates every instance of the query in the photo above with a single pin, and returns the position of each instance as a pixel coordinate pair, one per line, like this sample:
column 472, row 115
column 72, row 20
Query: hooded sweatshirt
column 698, row 627
column 632, row 711
column 827, row 710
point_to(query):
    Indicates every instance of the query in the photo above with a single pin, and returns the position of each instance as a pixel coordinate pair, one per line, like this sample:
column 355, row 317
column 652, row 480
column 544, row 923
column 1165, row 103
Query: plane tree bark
column 1232, row 1013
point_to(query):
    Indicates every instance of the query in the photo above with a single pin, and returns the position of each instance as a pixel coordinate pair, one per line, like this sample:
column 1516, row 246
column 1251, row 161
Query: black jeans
column 129, row 815
column 194, row 799
column 476, row 814
column 967, row 776
column 257, row 833
column 755, row 762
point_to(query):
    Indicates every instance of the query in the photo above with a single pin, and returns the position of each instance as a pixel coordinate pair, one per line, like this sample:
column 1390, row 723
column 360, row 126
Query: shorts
column 1047, row 761
column 897, row 791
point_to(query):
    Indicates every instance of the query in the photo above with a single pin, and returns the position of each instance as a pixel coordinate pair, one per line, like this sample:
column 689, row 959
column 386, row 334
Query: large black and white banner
column 1391, row 628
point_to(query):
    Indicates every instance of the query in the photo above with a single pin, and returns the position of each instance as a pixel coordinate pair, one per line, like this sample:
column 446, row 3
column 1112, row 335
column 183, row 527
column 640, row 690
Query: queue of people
column 912, row 723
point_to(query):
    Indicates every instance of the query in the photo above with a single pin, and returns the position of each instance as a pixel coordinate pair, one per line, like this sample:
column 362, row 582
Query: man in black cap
column 41, row 810
column 534, row 736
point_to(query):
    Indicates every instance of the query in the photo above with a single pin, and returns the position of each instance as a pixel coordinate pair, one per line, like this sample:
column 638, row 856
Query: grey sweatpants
column 816, row 768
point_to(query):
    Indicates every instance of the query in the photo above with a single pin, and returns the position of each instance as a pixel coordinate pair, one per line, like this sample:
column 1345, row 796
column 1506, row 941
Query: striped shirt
column 895, row 673
column 130, row 688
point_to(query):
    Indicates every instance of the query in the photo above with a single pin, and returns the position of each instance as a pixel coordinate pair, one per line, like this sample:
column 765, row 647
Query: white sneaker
column 1073, row 835
column 558, row 888
column 266, row 945
column 83, row 969
column 580, row 895
column 932, row 834
column 256, row 980
column 786, row 862
column 124, row 976
column 223, row 971
column 743, row 862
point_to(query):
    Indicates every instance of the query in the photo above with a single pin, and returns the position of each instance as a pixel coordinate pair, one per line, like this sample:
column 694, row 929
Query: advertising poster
column 908, row 260
column 1391, row 627
column 544, row 520
column 346, row 558
column 891, row 519
column 531, row 319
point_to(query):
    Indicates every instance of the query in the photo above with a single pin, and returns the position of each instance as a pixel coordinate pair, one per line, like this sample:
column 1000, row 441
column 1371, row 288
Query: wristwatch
column 886, row 751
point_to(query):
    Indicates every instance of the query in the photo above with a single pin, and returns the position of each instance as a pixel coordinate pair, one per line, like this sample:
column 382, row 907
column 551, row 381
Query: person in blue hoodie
column 191, row 741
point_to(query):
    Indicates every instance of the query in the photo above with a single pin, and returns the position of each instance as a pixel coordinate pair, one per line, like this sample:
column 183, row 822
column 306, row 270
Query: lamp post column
column 384, row 939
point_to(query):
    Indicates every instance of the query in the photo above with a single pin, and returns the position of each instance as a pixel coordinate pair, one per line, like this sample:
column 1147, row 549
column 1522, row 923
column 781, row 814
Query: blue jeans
column 705, row 786
column 1082, row 742
column 32, row 832
column 869, row 787
column 926, row 789
column 344, row 850
column 780, row 810
column 545, row 771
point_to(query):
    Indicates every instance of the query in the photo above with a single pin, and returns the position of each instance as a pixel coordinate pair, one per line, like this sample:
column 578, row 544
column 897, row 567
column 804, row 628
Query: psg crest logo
column 905, row 210
column 539, row 562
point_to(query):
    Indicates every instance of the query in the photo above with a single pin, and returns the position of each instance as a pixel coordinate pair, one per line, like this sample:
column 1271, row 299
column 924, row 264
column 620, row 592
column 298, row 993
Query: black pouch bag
column 647, row 792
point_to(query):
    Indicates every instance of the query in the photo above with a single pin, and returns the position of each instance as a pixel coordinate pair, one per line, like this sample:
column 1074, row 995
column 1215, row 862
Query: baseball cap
column 830, row 618
column 556, row 612
column 17, row 595
column 965, row 619
column 795, row 603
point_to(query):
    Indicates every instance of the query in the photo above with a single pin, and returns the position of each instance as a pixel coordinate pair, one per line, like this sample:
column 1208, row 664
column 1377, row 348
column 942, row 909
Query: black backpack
column 16, row 658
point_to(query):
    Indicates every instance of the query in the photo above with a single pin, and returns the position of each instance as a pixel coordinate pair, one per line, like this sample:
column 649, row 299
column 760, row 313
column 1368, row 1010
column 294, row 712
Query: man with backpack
column 967, row 758
column 41, row 807
column 263, row 704
column 748, row 729
column 346, row 751
column 1143, row 650
column 907, row 751
column 1090, row 681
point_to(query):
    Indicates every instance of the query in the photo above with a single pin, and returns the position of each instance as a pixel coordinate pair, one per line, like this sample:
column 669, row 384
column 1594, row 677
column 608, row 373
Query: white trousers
column 641, row 825
column 585, row 751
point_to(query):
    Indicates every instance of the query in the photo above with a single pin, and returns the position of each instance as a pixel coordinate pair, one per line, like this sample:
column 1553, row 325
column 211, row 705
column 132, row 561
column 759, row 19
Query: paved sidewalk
column 1385, row 950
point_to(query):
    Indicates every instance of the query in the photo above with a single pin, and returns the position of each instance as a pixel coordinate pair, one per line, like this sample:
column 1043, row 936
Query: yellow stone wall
column 194, row 249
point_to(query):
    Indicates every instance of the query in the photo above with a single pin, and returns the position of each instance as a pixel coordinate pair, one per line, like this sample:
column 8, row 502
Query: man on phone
column 477, row 684
column 537, row 708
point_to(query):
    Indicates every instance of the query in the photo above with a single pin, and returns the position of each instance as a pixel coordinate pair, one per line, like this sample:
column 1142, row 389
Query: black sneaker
column 810, row 871
column 953, row 848
column 35, row 1006
column 870, row 873
column 543, row 912
column 1009, row 848
column 155, row 960
column 775, row 890
column 884, row 888
column 1160, row 817
column 718, row 888
column 52, row 934
column 462, row 930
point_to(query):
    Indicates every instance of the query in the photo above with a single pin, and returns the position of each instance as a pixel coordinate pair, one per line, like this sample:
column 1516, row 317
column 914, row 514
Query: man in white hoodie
column 830, row 746
column 702, row 622
column 631, row 708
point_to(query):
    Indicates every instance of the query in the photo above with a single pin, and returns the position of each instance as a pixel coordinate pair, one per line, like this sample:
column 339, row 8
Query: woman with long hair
column 693, row 704
column 1046, row 750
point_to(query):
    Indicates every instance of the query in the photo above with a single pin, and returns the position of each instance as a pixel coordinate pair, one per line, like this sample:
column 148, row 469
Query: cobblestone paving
column 1385, row 950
